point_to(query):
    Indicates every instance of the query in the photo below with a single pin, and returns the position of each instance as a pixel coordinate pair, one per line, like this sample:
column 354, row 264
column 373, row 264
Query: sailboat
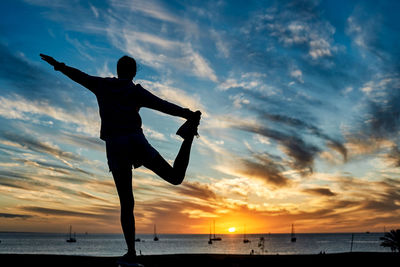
column 210, row 241
column 155, row 234
column 293, row 237
column 71, row 239
column 215, row 238
column 245, row 240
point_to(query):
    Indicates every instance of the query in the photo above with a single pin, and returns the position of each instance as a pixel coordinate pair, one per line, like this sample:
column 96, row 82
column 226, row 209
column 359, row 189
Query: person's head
column 126, row 68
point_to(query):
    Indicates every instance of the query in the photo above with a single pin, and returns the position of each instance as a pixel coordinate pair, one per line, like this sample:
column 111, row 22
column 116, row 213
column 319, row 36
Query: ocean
column 114, row 245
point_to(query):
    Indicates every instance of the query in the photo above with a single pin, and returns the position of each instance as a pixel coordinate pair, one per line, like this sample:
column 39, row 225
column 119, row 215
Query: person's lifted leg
column 176, row 174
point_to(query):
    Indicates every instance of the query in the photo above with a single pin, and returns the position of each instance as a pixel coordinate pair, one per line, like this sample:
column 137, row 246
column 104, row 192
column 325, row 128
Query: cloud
column 83, row 49
column 83, row 141
column 153, row 9
column 197, row 214
column 363, row 29
column 301, row 153
column 373, row 36
column 357, row 198
column 394, row 156
column 21, row 108
column 298, row 75
column 53, row 167
column 176, row 211
column 300, row 24
column 261, row 166
column 320, row 192
column 32, row 144
column 201, row 66
column 12, row 216
column 105, row 71
column 91, row 196
column 35, row 84
column 20, row 181
column 161, row 53
column 384, row 116
column 372, row 32
column 6, row 182
column 321, row 48
column 197, row 190
column 266, row 170
column 16, row 70
column 95, row 11
column 14, row 175
column 34, row 176
column 49, row 3
column 154, row 134
column 305, row 126
column 174, row 95
column 221, row 45
column 245, row 81
column 355, row 30
column 61, row 212
column 239, row 100
column 377, row 130
column 380, row 196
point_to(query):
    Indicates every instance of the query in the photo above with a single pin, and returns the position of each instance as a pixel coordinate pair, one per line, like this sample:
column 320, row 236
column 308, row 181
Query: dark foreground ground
column 209, row 260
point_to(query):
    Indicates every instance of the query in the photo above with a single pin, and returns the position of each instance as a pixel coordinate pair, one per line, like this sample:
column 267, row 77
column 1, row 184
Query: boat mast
column 214, row 228
column 155, row 233
column 293, row 237
column 245, row 240
column 210, row 237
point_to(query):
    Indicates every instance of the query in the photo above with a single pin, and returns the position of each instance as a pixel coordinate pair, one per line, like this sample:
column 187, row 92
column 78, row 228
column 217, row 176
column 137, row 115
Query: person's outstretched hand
column 49, row 60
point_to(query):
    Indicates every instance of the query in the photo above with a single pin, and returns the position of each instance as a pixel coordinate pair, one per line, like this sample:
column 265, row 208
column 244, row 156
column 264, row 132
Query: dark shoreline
column 208, row 260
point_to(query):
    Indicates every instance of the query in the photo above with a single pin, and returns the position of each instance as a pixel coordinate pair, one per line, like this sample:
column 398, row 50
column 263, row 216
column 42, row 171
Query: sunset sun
column 232, row 230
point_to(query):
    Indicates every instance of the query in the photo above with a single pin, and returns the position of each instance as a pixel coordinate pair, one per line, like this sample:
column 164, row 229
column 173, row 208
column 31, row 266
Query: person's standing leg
column 123, row 182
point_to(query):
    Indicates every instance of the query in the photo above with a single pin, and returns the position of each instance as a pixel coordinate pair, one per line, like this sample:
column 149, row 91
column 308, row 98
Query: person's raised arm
column 151, row 101
column 76, row 75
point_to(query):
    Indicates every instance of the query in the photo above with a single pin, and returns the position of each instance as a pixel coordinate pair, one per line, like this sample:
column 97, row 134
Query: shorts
column 127, row 150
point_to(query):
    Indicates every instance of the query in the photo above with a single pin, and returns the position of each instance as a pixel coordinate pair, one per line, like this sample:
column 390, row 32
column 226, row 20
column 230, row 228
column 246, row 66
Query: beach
column 208, row 260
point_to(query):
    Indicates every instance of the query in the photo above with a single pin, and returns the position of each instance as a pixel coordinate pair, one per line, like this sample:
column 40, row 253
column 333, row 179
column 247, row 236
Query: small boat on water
column 71, row 239
column 155, row 234
column 215, row 238
column 293, row 238
column 210, row 241
column 245, row 240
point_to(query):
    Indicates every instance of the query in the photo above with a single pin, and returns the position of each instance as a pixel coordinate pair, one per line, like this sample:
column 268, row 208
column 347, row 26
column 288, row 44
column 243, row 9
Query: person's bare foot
column 189, row 128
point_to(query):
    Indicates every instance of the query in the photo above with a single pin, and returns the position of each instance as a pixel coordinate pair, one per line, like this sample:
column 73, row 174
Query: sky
column 300, row 122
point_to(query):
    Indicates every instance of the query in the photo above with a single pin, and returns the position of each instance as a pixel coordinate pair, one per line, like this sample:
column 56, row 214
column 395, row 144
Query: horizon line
column 226, row 234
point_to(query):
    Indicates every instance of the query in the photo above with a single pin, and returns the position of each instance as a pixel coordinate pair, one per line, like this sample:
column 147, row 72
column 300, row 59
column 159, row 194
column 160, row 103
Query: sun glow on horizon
column 232, row 229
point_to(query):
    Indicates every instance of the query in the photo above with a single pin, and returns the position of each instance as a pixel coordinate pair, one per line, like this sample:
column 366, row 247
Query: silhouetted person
column 119, row 102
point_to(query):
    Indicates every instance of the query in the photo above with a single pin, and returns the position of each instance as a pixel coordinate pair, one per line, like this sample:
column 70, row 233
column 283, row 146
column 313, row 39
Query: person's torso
column 119, row 104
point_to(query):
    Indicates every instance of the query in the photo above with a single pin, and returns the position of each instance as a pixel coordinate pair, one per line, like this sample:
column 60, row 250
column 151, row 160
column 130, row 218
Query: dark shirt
column 120, row 101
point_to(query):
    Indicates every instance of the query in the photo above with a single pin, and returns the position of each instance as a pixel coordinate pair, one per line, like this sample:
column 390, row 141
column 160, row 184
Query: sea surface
column 114, row 244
